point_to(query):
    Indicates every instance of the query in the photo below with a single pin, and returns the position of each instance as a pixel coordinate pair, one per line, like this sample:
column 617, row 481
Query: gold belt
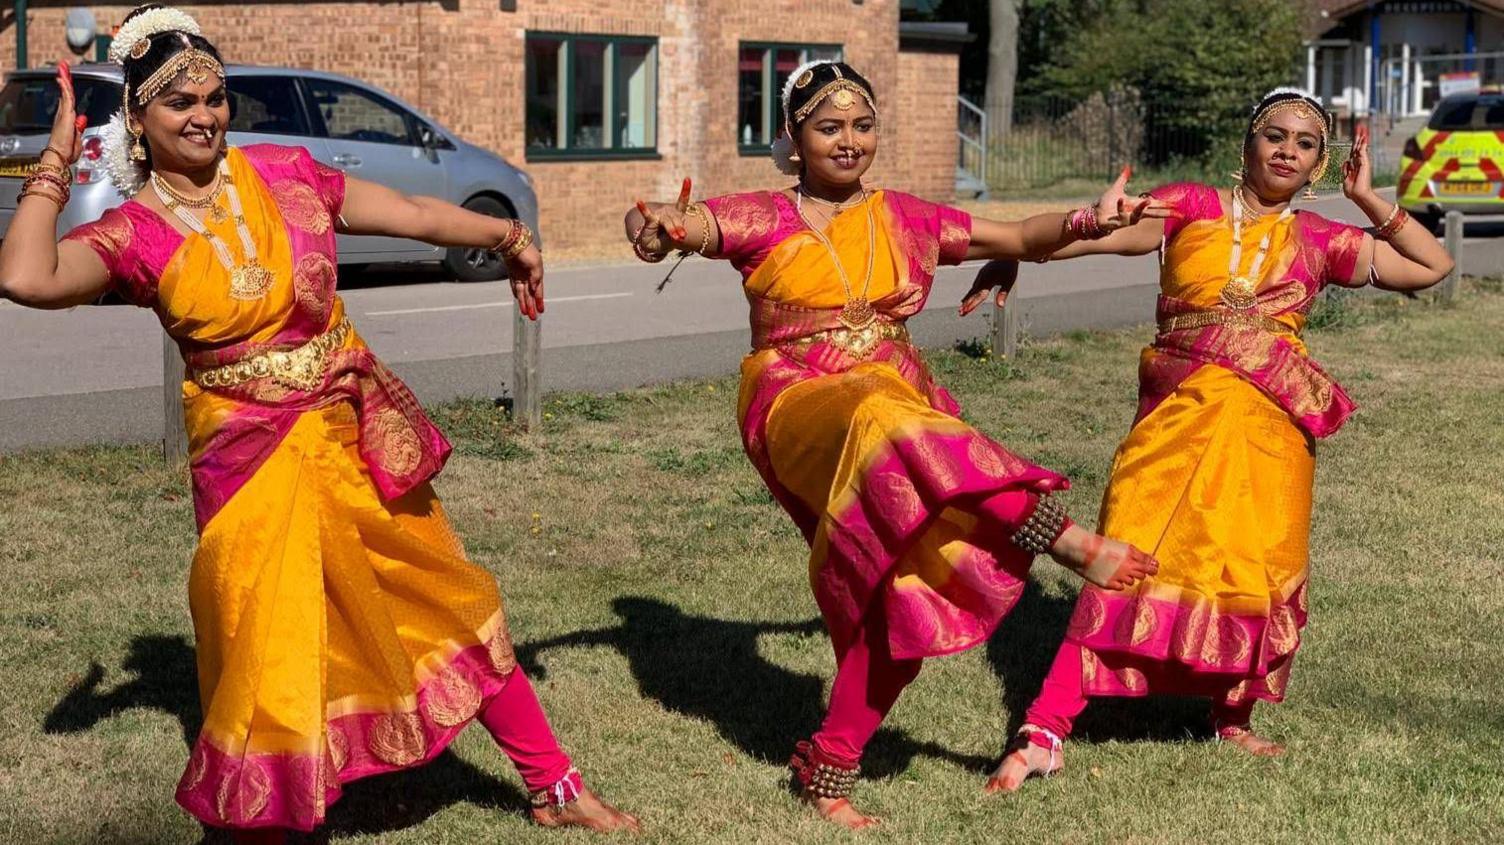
column 857, row 342
column 1202, row 319
column 302, row 368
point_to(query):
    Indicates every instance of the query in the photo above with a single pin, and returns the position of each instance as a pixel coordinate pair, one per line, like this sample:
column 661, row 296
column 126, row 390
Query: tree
column 1002, row 64
column 1199, row 67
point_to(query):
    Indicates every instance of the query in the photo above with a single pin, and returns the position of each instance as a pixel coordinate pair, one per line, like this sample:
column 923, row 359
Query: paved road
column 94, row 373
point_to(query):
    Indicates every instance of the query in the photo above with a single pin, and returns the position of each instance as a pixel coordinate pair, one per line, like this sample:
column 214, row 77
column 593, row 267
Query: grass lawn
column 660, row 599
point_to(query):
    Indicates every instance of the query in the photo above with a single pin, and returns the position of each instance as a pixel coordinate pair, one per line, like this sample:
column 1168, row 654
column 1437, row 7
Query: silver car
column 343, row 123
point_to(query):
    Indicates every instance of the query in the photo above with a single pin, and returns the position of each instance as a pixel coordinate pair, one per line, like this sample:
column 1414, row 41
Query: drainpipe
column 20, row 34
column 1373, row 39
column 1470, row 41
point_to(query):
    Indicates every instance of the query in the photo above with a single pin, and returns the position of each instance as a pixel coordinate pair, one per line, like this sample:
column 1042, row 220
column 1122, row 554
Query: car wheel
column 467, row 264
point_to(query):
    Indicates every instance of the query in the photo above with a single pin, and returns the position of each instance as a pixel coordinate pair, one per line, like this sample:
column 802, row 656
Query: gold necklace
column 838, row 206
column 182, row 199
column 249, row 279
column 858, row 312
column 1241, row 292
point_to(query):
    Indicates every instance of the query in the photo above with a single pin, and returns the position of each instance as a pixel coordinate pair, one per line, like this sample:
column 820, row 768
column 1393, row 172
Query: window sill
column 544, row 156
column 749, row 150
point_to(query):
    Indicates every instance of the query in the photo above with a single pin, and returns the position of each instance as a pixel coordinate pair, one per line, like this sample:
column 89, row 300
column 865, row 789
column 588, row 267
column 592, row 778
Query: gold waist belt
column 856, row 342
column 302, row 368
column 1202, row 319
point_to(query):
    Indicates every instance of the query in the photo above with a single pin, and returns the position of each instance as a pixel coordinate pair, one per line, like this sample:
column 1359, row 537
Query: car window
column 29, row 104
column 351, row 114
column 267, row 104
column 1453, row 114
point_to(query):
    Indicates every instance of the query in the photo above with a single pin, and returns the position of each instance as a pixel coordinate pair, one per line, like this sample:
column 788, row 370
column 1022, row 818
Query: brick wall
column 462, row 62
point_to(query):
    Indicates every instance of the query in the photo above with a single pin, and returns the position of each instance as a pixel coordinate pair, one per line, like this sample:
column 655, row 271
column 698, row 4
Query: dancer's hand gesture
column 1001, row 275
column 526, row 273
column 67, row 138
column 1357, row 171
column 1116, row 211
column 663, row 224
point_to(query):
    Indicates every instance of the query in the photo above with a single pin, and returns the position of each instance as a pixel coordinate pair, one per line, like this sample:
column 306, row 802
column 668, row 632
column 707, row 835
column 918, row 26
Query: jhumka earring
column 1310, row 192
column 138, row 150
column 794, row 156
column 1237, row 176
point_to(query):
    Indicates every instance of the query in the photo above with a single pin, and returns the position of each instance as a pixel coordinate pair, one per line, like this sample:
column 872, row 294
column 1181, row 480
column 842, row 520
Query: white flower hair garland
column 147, row 24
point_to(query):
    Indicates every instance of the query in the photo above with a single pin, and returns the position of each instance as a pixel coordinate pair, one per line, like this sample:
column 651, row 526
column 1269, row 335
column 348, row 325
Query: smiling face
column 185, row 125
column 1280, row 157
column 837, row 145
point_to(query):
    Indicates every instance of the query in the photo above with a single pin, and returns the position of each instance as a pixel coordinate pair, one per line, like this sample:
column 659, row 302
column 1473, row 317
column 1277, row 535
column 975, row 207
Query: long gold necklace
column 249, row 280
column 858, row 312
column 1241, row 291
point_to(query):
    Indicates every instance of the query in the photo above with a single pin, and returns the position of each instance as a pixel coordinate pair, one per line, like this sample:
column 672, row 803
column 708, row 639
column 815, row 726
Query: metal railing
column 971, row 163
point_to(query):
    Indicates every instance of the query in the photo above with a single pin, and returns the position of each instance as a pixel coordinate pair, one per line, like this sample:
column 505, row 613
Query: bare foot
column 1253, row 744
column 1108, row 563
column 840, row 811
column 587, row 811
column 1024, row 760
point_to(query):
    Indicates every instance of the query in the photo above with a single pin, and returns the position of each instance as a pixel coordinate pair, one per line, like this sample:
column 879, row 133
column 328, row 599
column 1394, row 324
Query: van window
column 268, row 105
column 28, row 104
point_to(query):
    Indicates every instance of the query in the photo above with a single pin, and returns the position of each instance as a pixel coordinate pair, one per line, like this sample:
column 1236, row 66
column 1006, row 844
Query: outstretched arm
column 36, row 270
column 1047, row 235
column 372, row 209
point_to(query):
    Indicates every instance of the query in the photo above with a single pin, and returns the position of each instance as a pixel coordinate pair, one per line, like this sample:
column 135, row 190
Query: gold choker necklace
column 860, row 198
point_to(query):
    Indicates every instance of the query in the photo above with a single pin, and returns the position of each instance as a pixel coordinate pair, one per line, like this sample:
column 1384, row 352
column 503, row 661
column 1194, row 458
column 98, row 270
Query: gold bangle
column 520, row 242
column 50, row 148
column 699, row 211
column 641, row 252
column 59, row 201
column 1390, row 219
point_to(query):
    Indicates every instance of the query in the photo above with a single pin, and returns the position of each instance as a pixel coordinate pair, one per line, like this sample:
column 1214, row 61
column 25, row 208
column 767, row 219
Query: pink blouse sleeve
column 1344, row 244
column 113, row 239
column 327, row 181
column 1191, row 201
column 955, row 234
column 747, row 223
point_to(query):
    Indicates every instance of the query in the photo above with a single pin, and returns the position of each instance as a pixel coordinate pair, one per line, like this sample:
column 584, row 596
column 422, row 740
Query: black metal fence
column 1059, row 143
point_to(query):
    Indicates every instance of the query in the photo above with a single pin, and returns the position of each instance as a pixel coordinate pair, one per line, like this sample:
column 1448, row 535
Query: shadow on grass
column 163, row 673
column 1024, row 646
column 710, row 669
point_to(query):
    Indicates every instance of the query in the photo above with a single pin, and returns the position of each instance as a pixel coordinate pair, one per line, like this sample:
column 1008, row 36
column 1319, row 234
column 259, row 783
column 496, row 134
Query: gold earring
column 1237, row 176
column 138, row 150
column 794, row 156
column 1310, row 192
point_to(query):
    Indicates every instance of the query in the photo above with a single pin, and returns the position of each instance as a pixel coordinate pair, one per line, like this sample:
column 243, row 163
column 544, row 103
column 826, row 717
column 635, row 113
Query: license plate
column 14, row 168
column 1469, row 189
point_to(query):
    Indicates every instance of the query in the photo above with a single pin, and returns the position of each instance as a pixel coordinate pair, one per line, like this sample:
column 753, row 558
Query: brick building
column 599, row 106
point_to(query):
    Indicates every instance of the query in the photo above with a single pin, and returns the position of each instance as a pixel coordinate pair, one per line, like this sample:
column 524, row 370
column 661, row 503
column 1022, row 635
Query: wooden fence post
column 1005, row 329
column 1453, row 238
column 174, row 430
column 527, row 353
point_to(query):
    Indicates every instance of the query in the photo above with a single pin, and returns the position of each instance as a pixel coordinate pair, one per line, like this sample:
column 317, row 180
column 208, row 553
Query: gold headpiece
column 196, row 63
column 841, row 92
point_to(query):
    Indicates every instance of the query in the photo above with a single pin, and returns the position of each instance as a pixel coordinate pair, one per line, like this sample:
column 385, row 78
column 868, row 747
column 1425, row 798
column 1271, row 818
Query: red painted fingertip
column 642, row 207
column 81, row 123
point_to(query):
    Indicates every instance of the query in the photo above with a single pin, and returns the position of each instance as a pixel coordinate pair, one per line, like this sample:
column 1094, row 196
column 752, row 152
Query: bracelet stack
column 1392, row 224
column 1084, row 225
column 516, row 241
column 50, row 181
column 1043, row 527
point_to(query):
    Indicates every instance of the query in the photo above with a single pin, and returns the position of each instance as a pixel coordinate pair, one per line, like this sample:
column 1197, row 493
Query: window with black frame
column 762, row 70
column 591, row 96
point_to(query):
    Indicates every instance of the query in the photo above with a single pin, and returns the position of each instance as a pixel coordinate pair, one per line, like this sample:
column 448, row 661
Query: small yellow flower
column 709, row 388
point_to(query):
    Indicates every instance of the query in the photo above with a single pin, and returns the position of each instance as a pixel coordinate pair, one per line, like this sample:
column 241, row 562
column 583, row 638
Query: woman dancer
column 1215, row 477
column 921, row 529
column 341, row 631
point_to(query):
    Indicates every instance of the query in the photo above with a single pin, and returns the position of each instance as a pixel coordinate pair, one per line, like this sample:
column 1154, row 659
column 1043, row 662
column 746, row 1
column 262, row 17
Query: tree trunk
column 1002, row 65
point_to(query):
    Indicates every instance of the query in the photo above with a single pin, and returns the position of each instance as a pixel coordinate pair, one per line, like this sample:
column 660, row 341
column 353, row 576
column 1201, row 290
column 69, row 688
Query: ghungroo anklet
column 819, row 777
column 1043, row 527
